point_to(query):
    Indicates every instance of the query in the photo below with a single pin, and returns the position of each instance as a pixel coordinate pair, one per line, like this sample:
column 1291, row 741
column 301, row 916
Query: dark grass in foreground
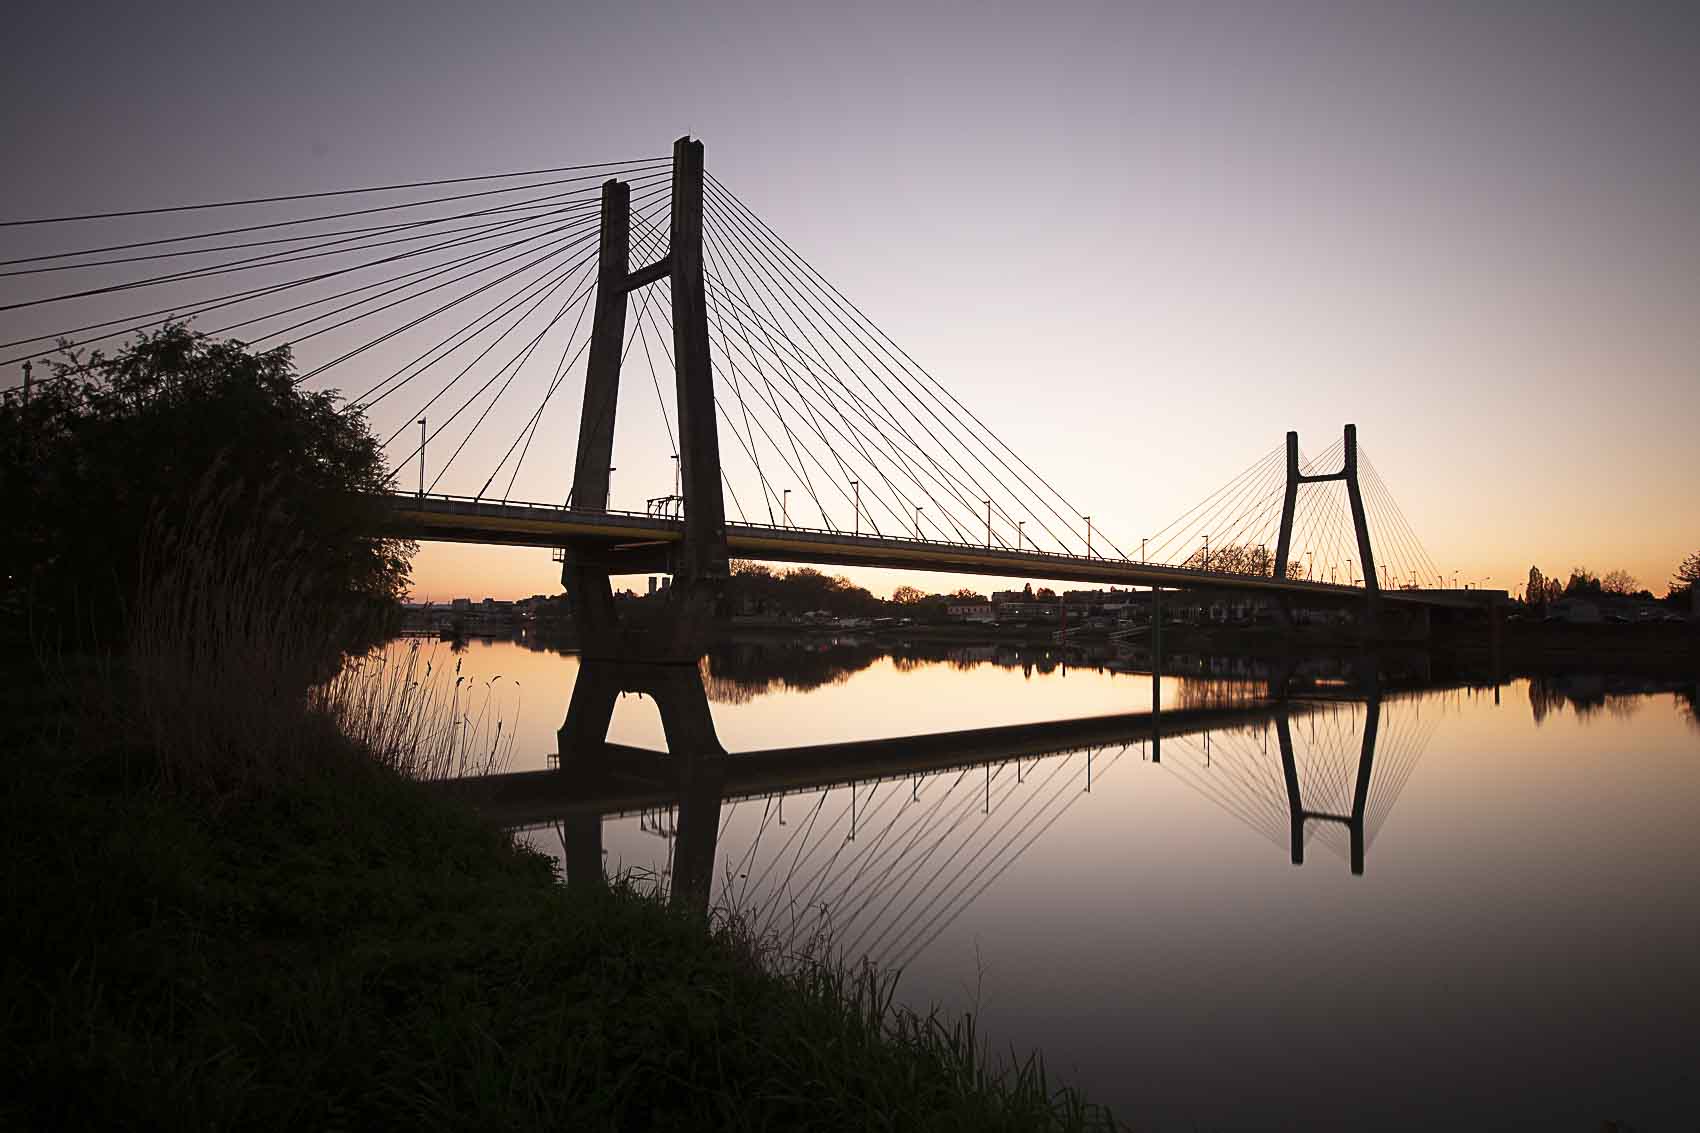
column 344, row 952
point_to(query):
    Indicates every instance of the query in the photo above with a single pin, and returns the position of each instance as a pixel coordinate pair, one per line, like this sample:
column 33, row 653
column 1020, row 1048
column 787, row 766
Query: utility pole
column 422, row 458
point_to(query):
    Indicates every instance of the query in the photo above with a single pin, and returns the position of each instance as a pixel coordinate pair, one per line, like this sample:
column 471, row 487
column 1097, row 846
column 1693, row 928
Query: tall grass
column 404, row 707
column 234, row 674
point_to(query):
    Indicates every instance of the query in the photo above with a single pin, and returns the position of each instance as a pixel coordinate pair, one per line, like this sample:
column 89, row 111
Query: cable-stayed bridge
column 471, row 318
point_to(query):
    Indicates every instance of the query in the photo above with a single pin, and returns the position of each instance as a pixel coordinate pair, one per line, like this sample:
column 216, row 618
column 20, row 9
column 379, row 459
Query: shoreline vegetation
column 242, row 908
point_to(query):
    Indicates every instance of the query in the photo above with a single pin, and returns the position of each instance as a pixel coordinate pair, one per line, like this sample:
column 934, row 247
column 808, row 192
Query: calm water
column 1522, row 948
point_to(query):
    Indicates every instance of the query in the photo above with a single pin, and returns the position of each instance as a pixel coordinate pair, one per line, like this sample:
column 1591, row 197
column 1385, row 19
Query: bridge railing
column 1023, row 553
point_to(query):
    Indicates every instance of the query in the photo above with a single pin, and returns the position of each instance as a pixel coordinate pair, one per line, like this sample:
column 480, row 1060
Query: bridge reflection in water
column 887, row 841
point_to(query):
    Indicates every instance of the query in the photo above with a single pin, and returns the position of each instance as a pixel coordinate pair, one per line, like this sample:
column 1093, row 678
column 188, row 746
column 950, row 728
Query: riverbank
column 344, row 951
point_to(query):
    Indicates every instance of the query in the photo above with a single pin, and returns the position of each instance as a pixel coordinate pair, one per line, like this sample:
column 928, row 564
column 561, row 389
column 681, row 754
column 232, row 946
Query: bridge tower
column 1360, row 523
column 655, row 654
column 699, row 564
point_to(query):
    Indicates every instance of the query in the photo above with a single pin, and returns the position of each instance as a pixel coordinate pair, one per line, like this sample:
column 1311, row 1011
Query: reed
column 404, row 707
column 234, row 674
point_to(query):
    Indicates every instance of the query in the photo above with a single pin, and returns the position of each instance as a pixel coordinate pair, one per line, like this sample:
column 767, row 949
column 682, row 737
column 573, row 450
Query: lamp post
column 988, row 504
column 1310, row 564
column 422, row 458
column 785, row 507
column 675, row 474
column 917, row 523
column 1142, row 550
column 608, row 500
column 1349, row 581
column 1088, row 520
column 857, row 486
column 1206, row 552
column 1019, row 524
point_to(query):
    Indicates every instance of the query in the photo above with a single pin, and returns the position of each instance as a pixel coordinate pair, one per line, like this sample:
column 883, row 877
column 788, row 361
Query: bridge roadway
column 462, row 519
column 639, row 779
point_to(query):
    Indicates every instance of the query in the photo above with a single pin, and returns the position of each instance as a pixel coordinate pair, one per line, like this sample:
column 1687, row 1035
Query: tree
column 106, row 449
column 1687, row 574
column 1619, row 582
column 907, row 596
column 1583, row 582
column 1234, row 558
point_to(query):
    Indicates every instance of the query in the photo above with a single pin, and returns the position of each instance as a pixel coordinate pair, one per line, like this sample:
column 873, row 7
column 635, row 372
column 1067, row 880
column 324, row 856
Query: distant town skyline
column 1141, row 240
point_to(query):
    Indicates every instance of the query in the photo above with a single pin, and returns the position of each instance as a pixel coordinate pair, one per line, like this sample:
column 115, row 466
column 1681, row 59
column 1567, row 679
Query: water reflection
column 889, row 840
column 1117, row 891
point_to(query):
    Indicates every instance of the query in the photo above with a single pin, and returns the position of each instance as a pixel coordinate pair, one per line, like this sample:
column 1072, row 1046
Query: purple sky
column 1141, row 241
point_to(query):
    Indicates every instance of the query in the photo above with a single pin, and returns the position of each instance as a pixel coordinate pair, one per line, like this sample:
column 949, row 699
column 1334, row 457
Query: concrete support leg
column 1290, row 772
column 700, row 788
column 581, row 843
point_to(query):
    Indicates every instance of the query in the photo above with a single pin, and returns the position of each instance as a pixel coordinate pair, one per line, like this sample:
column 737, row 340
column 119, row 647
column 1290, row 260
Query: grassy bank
column 338, row 950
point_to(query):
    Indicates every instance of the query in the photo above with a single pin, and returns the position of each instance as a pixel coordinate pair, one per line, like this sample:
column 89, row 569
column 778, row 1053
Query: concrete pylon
column 699, row 563
column 1360, row 521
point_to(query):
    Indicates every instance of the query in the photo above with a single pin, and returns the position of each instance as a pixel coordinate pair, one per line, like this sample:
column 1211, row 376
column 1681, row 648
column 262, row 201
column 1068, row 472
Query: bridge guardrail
column 1024, row 552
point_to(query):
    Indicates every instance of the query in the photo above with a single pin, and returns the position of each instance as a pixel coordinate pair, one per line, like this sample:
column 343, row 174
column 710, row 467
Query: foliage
column 1582, row 583
column 798, row 591
column 1619, row 582
column 1234, row 558
column 907, row 595
column 104, row 444
column 1687, row 574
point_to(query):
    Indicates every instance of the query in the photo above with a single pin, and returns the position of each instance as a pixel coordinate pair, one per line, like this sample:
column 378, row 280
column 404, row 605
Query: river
column 1520, row 949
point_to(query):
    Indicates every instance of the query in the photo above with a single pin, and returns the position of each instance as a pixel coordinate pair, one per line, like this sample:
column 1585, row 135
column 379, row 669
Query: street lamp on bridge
column 1088, row 520
column 785, row 507
column 857, row 486
column 988, row 504
column 917, row 523
column 422, row 458
column 1019, row 524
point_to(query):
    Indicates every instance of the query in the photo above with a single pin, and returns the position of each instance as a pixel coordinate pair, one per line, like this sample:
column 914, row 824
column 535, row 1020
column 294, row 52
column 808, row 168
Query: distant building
column 978, row 610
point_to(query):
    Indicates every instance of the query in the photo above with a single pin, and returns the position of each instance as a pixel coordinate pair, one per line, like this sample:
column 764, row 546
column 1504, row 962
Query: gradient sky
column 1141, row 241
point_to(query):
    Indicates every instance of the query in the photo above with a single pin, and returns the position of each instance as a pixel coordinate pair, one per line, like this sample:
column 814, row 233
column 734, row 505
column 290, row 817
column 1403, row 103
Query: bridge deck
column 463, row 520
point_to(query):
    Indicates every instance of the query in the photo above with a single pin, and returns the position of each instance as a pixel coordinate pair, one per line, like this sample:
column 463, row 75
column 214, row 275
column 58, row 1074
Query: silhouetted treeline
column 100, row 449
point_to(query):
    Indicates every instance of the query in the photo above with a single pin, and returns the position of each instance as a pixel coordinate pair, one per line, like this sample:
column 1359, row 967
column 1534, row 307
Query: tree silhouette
column 1619, row 582
column 1687, row 574
column 108, row 445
